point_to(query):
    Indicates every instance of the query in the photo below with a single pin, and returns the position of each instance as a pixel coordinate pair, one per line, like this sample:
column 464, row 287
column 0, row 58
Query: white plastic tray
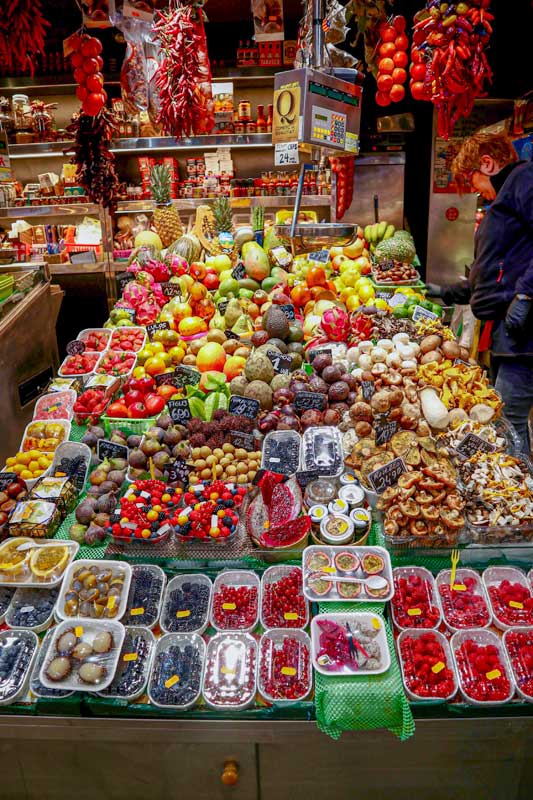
column 272, row 575
column 236, row 577
column 365, row 617
column 130, row 328
column 82, row 335
column 116, row 566
column 493, row 576
column 482, row 637
column 417, row 633
column 180, row 640
column 129, row 661
column 6, row 593
column 168, row 622
column 71, row 450
column 432, row 597
column 232, row 658
column 36, row 687
column 126, row 375
column 138, row 612
column 62, row 374
column 50, row 397
column 333, row 595
column 512, row 631
column 277, row 637
column 462, row 573
column 24, row 598
column 30, row 580
column 65, row 424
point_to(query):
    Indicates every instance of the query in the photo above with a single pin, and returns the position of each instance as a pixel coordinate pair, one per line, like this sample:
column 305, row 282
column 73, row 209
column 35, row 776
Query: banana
column 382, row 227
column 367, row 232
column 389, row 233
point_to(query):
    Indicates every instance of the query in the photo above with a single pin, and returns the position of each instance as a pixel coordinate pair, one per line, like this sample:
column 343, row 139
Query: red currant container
column 230, row 671
column 415, row 604
column 482, row 667
column 235, row 601
column 428, row 670
column 283, row 604
column 466, row 605
column 518, row 643
column 284, row 674
column 510, row 597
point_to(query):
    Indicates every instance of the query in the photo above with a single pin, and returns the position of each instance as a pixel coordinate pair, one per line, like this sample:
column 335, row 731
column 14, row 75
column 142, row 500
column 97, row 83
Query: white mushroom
column 400, row 338
column 378, row 354
column 409, row 364
column 379, row 368
column 357, row 373
column 386, row 344
column 366, row 346
column 352, row 355
column 393, row 359
column 365, row 362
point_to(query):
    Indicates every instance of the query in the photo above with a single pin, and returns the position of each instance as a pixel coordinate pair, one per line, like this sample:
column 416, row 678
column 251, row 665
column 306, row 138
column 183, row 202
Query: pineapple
column 166, row 218
column 223, row 215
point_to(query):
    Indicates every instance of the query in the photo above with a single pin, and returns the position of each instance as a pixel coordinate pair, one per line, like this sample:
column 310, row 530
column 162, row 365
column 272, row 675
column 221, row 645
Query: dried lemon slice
column 49, row 559
column 13, row 560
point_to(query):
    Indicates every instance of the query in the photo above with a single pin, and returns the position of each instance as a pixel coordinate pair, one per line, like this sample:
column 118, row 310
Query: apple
column 338, row 259
column 335, row 251
column 219, row 263
column 211, row 280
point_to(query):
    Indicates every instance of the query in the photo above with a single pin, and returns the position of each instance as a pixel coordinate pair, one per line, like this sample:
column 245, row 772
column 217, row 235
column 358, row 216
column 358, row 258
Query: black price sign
column 75, row 348
column 177, row 471
column 385, row 430
column 288, row 310
column 245, row 440
column 243, row 406
column 129, row 311
column 368, row 389
column 171, row 289
column 223, row 306
column 322, row 256
column 123, row 279
column 306, row 477
column 304, row 401
column 383, row 477
column 232, row 335
column 6, row 478
column 169, row 379
column 187, row 376
column 239, row 272
column 281, row 364
column 153, row 327
column 312, row 354
column 472, row 443
column 384, row 295
column 179, row 411
column 107, row 449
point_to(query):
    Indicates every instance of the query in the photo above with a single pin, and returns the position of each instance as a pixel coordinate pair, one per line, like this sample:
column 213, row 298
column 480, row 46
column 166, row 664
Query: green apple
column 219, row 263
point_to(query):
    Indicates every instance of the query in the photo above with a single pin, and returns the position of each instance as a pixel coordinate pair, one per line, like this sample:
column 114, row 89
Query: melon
column 397, row 248
column 148, row 238
column 187, row 246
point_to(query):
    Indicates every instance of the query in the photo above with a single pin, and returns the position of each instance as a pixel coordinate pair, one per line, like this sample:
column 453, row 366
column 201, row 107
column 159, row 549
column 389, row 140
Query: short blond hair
column 497, row 145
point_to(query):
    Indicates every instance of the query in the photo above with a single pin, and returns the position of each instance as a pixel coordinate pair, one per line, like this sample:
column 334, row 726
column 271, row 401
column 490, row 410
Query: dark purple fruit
column 338, row 392
column 348, row 378
column 321, row 361
column 259, row 338
column 332, row 416
column 282, row 397
column 317, row 384
column 340, row 407
column 332, row 374
column 312, row 417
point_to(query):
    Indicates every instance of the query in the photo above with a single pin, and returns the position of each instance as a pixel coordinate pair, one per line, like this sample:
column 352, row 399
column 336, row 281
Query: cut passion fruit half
column 45, row 561
column 12, row 560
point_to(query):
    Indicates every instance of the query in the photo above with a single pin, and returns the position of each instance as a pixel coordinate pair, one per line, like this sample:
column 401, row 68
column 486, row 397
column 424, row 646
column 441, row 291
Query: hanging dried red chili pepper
column 93, row 157
column 184, row 75
column 344, row 169
column 22, row 29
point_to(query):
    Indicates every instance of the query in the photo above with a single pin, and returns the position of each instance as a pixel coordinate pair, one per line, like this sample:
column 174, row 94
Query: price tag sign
column 288, row 310
column 177, row 471
column 396, row 300
column 307, row 400
column 171, row 289
column 472, row 443
column 438, row 667
column 241, row 439
column 179, row 411
column 420, row 313
column 223, row 306
column 312, row 354
column 107, row 449
column 387, row 475
column 169, row 379
column 306, row 477
column 123, row 279
column 281, row 363
column 243, row 406
column 461, row 361
column 286, row 153
column 232, row 335
column 156, row 326
column 385, row 296
column 368, row 388
column 239, row 272
column 187, row 376
column 385, row 429
column 75, row 348
column 321, row 256
column 7, row 478
column 129, row 657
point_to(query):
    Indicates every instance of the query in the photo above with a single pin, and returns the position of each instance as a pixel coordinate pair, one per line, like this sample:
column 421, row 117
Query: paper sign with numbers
column 286, row 153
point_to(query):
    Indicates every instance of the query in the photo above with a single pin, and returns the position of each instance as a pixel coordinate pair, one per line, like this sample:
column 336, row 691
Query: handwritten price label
column 286, row 153
column 387, row 475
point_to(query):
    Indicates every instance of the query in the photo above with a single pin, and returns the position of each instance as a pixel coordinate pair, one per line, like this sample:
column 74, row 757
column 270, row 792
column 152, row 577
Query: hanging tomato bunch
column 449, row 65
column 344, row 169
column 87, row 64
column 392, row 63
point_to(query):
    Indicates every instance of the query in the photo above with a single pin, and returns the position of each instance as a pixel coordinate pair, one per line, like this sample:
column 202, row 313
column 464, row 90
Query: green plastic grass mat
column 366, row 702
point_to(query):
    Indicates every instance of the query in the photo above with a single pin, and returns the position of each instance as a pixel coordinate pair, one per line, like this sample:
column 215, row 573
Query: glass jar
column 321, row 491
column 6, row 120
column 20, row 106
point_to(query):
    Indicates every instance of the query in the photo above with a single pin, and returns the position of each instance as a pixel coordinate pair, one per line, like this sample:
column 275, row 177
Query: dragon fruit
column 135, row 293
column 145, row 278
column 272, row 517
column 147, row 312
column 159, row 270
column 336, row 324
column 176, row 264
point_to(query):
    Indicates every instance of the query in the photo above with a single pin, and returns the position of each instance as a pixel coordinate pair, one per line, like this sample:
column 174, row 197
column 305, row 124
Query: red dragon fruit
column 159, row 270
column 148, row 311
column 135, row 294
column 145, row 278
column 335, row 324
column 176, row 264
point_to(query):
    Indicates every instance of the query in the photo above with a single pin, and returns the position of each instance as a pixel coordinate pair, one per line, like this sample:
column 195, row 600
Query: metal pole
column 298, row 200
column 318, row 34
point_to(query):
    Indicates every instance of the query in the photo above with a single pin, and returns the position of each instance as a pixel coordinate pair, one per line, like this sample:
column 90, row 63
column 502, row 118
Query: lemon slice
column 11, row 559
column 46, row 560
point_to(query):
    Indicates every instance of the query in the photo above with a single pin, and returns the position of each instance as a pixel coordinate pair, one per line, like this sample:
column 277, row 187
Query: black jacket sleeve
column 457, row 293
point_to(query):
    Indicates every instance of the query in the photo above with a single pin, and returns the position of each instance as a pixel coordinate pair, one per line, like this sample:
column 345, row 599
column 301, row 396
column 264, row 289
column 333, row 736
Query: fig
column 84, row 513
column 118, row 463
column 282, row 397
column 90, row 440
column 116, row 478
column 172, row 436
column 317, row 384
column 137, row 459
column 93, row 492
column 338, row 392
column 76, row 532
column 106, row 503
column 164, row 421
column 107, row 485
column 118, row 437
column 150, row 447
column 182, row 449
column 160, row 459
column 321, row 361
column 98, row 476
column 155, row 433
column 97, row 431
column 134, row 440
column 332, row 416
column 101, row 519
column 279, row 343
column 312, row 417
column 332, row 374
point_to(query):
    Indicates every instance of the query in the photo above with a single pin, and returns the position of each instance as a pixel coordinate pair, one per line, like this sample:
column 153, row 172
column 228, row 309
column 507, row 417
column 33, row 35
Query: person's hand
column 434, row 289
column 517, row 314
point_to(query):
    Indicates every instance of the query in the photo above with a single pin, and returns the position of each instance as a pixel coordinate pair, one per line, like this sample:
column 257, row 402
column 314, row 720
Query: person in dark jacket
column 500, row 286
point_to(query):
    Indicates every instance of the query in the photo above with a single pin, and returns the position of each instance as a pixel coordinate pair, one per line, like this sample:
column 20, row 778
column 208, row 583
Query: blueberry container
column 177, row 668
column 133, row 666
column 32, row 609
column 145, row 595
column 36, row 687
column 6, row 595
column 18, row 649
column 230, row 671
column 187, row 604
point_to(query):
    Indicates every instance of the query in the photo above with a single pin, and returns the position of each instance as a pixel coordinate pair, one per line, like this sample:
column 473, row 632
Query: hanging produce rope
column 184, row 76
column 22, row 30
column 93, row 157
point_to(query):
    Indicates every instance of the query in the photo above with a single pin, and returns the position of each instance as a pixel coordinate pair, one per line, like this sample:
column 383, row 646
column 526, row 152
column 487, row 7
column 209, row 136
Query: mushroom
column 366, row 346
column 400, row 338
column 393, row 359
column 386, row 344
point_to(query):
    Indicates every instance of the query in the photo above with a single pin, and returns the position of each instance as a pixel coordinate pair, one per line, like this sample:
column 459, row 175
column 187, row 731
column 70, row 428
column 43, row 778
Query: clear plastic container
column 55, row 405
column 230, row 671
column 47, row 435
column 442, row 684
column 284, row 672
column 145, row 595
column 63, row 370
column 83, row 655
column 415, row 603
column 187, row 604
column 283, row 604
column 337, row 529
column 369, row 631
column 133, row 666
column 510, row 597
column 518, row 644
column 281, row 452
column 105, row 359
column 36, row 687
column 60, row 491
column 322, row 450
column 18, row 650
column 463, row 608
column 73, row 450
column 236, row 599
column 177, row 668
column 130, row 329
column 110, row 581
column 25, row 562
column 6, row 594
column 34, row 518
column 494, row 686
column 32, row 609
column 104, row 334
column 336, row 574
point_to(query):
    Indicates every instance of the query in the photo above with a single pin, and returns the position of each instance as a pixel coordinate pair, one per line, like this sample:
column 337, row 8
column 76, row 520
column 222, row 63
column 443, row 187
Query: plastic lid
column 352, row 493
column 336, row 529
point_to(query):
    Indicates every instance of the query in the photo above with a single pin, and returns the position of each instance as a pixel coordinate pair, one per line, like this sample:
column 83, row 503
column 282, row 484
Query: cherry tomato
column 418, row 72
column 92, row 48
column 81, row 93
column 401, row 42
column 382, row 99
column 399, row 75
column 399, row 24
column 385, row 83
column 76, row 60
column 387, row 50
column 93, row 104
column 79, row 76
column 417, row 90
column 100, row 62
column 95, row 82
column 400, row 58
column 416, row 56
column 397, row 93
column 388, row 34
column 90, row 65
column 385, row 65
column 75, row 42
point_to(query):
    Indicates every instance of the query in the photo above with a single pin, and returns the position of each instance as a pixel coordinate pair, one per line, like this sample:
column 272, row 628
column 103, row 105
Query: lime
column 412, row 301
column 427, row 304
column 400, row 312
column 436, row 309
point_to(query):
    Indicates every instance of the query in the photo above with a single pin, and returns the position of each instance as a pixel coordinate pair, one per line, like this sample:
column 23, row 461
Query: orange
column 234, row 366
column 316, row 276
column 300, row 295
column 155, row 366
column 211, row 358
